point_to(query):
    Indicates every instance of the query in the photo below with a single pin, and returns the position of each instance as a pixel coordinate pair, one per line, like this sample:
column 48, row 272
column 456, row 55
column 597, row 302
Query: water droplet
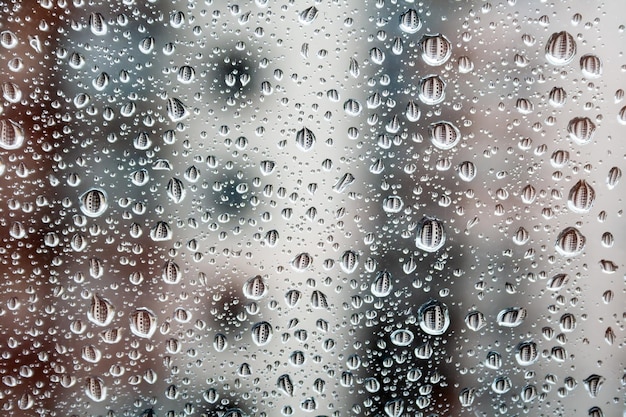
column 255, row 288
column 430, row 234
column 591, row 66
column 143, row 323
column 186, row 74
column 262, row 333
column 11, row 135
column 292, row 297
column 161, row 231
column 111, row 336
column 220, row 342
column 93, row 203
column 595, row 412
column 607, row 266
column 560, row 48
column 412, row 111
column 621, row 116
column 382, row 285
column 609, row 336
column 593, row 383
column 557, row 282
column 436, row 49
column 308, row 15
column 524, row 106
column 349, row 261
column 377, row 56
column 11, row 92
column 467, row 396
column 511, row 317
column 97, row 24
column 302, row 262
column 285, row 384
column 95, row 388
column 91, row 354
column 433, row 317
column 146, row 45
column 176, row 110
column 444, row 135
column 8, row 39
column 319, row 300
column 352, row 107
column 402, row 337
column 501, row 384
column 475, row 320
column 392, row 204
column 101, row 311
column 432, row 90
column 344, row 182
column 526, row 353
column 394, row 408
column 581, row 197
column 410, row 21
column 465, row 65
column 567, row 322
column 176, row 190
column 615, row 174
column 171, row 272
column 581, row 130
column 305, row 139
column 267, row 167
column 570, row 242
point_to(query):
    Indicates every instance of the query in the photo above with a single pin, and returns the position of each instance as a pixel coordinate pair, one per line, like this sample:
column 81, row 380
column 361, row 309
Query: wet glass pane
column 325, row 208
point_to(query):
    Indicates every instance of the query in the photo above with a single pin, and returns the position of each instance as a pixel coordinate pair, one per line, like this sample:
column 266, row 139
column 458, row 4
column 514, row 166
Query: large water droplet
column 93, row 202
column 285, row 384
column 581, row 130
column 591, row 66
column 581, row 197
column 511, row 317
column 615, row 174
column 161, row 231
column 97, row 24
column 305, row 139
column 95, row 388
column 382, row 285
column 176, row 190
column 262, row 333
column 11, row 135
column 432, row 90
column 401, row 337
column 308, row 15
column 255, row 288
column 433, row 317
column 436, row 49
column 101, row 311
column 560, row 48
column 410, row 21
column 475, row 320
column 593, row 383
column 430, row 235
column 11, row 92
column 176, row 110
column 143, row 323
column 526, row 353
column 444, row 135
column 570, row 242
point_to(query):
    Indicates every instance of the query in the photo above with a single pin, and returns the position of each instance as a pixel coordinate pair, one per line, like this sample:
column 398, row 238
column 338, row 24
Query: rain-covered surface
column 326, row 208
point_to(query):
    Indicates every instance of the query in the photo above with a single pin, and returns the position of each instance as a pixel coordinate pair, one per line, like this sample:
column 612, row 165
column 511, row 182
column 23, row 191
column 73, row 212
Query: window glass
column 328, row 208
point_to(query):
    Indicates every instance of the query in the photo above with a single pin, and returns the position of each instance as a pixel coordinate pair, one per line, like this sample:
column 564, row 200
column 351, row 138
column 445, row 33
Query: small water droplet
column 352, row 107
column 171, row 272
column 146, row 45
column 285, row 384
column 557, row 282
column 186, row 74
column 8, row 39
column 615, row 174
column 344, row 182
column 220, row 342
column 526, row 353
column 11, row 92
column 382, row 285
column 161, row 231
column 467, row 397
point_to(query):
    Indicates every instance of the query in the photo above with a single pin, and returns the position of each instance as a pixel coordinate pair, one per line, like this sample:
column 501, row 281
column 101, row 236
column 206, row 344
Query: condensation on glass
column 326, row 208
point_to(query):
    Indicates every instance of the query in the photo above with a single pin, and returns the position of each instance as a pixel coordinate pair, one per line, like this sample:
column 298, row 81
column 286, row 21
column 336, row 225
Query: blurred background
column 342, row 208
